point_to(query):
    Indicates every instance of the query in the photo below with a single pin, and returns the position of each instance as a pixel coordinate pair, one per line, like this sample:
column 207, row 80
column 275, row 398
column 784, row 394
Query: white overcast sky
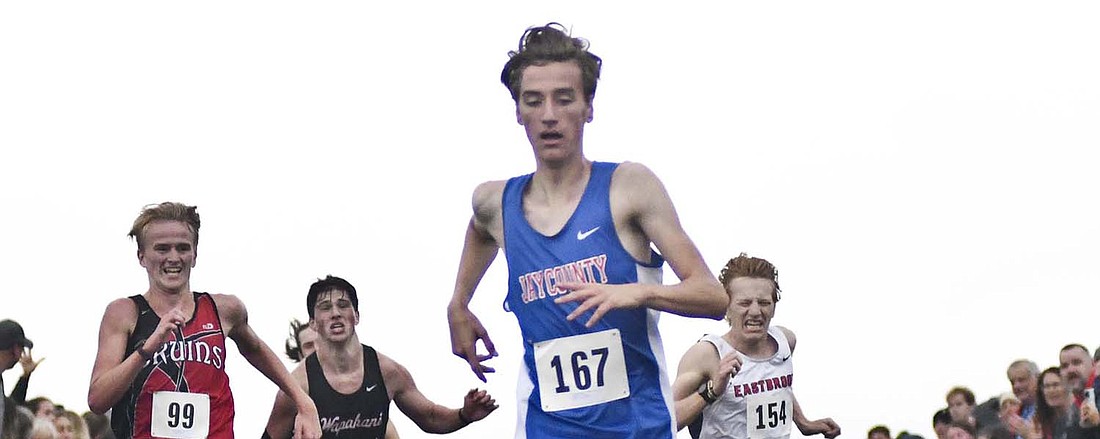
column 923, row 174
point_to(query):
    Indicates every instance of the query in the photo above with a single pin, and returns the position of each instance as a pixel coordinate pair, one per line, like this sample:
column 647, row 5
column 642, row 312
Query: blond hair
column 166, row 211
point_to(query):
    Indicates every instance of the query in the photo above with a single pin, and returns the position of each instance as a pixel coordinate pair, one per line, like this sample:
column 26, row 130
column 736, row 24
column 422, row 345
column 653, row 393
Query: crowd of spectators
column 1058, row 402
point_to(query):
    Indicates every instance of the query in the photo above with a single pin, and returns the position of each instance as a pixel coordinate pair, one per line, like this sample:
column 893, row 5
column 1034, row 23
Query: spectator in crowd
column 99, row 426
column 13, row 342
column 17, row 421
column 43, row 429
column 28, row 364
column 1077, row 369
column 960, row 403
column 961, row 430
column 878, row 432
column 1054, row 408
column 1024, row 377
column 996, row 432
column 70, row 425
column 941, row 420
column 42, row 407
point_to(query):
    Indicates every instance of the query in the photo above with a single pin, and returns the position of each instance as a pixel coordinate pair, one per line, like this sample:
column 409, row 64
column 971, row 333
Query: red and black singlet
column 192, row 361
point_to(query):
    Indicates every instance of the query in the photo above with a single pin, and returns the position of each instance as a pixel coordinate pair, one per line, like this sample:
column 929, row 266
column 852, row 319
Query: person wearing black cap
column 12, row 343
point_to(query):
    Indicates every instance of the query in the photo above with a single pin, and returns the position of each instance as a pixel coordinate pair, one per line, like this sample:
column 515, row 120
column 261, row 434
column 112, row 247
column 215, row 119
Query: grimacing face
column 751, row 306
column 334, row 316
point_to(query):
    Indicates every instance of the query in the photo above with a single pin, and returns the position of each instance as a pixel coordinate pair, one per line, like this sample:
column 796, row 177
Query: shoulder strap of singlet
column 141, row 303
column 372, row 371
column 315, row 376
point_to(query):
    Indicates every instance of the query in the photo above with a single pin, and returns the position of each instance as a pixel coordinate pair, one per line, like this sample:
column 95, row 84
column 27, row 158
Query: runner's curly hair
column 745, row 266
column 541, row 45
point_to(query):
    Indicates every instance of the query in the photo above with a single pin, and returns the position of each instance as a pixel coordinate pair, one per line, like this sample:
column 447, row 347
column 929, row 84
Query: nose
column 550, row 112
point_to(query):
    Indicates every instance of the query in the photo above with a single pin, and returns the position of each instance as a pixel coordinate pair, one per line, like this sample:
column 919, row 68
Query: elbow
column 96, row 405
column 719, row 304
column 98, row 402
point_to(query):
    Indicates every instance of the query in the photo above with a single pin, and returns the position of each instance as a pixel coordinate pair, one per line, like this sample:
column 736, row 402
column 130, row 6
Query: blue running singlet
column 606, row 381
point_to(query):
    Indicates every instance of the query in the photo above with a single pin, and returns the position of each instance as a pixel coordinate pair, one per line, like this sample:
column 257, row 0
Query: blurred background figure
column 301, row 342
column 99, row 426
column 940, row 421
column 878, row 432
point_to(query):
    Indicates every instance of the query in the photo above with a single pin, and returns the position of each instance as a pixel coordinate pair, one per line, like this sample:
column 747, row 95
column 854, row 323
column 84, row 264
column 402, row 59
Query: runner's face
column 553, row 110
column 307, row 341
column 168, row 255
column 334, row 317
column 751, row 306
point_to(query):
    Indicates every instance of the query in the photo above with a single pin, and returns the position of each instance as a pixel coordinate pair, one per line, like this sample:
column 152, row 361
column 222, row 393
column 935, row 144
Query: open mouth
column 551, row 135
column 173, row 270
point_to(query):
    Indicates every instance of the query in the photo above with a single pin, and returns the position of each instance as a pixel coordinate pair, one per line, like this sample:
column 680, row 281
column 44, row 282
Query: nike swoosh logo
column 369, row 388
column 582, row 235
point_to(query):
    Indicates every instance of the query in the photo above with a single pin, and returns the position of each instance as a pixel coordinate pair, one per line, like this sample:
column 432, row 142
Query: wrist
column 146, row 356
column 463, row 419
column 707, row 393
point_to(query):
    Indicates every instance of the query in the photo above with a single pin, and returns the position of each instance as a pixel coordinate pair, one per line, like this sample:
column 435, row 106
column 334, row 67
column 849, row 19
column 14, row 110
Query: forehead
column 168, row 231
column 751, row 287
column 551, row 76
column 332, row 295
column 1019, row 371
column 1074, row 355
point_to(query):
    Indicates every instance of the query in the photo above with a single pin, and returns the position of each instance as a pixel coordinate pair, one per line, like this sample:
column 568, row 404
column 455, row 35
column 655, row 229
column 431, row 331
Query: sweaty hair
column 966, row 393
column 542, row 45
column 745, row 266
column 330, row 283
column 294, row 351
column 166, row 211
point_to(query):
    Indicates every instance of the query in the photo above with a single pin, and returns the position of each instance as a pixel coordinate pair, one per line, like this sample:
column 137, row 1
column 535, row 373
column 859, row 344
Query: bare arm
column 391, row 431
column 696, row 367
column 698, row 294
column 429, row 416
column 112, row 374
column 824, row 426
column 644, row 203
column 280, row 425
column 235, row 323
column 478, row 252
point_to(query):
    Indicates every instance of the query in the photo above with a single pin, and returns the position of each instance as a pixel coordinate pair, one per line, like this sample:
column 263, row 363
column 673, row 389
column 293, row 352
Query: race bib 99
column 581, row 370
column 181, row 415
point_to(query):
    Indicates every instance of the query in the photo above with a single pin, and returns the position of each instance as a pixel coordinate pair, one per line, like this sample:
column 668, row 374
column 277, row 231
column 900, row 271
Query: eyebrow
column 556, row 91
